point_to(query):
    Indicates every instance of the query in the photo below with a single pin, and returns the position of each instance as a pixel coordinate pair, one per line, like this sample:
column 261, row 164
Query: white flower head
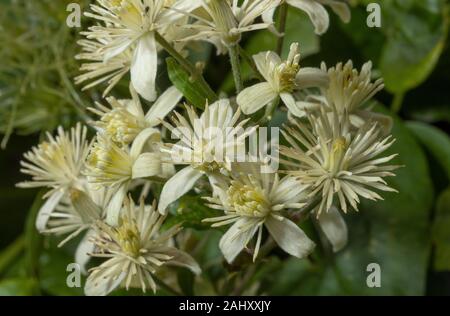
column 222, row 22
column 350, row 90
column 129, row 28
column 316, row 12
column 207, row 145
column 135, row 249
column 253, row 200
column 126, row 119
column 56, row 164
column 282, row 79
column 339, row 166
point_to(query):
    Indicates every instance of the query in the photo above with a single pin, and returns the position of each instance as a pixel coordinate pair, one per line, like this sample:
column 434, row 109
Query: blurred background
column 408, row 234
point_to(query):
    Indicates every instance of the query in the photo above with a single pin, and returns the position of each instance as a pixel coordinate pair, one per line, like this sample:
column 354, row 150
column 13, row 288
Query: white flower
column 253, row 200
column 222, row 22
column 338, row 165
column 97, row 70
column 205, row 146
column 109, row 164
column 57, row 164
column 135, row 250
column 316, row 12
column 125, row 120
column 350, row 89
column 282, row 79
column 129, row 27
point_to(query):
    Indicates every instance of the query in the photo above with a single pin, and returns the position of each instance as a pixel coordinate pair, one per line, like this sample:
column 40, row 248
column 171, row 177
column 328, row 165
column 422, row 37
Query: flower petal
column 85, row 247
column 102, row 284
column 235, row 239
column 47, row 209
column 183, row 181
column 290, row 237
column 144, row 67
column 165, row 103
column 139, row 143
column 316, row 12
column 115, row 205
column 333, row 226
column 147, row 165
column 310, row 77
column 263, row 62
column 182, row 259
column 256, row 97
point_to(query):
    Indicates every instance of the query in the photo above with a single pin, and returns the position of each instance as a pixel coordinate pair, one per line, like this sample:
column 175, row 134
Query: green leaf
column 190, row 212
column 186, row 280
column 17, row 287
column 393, row 233
column 416, row 37
column 441, row 232
column 197, row 91
column 434, row 140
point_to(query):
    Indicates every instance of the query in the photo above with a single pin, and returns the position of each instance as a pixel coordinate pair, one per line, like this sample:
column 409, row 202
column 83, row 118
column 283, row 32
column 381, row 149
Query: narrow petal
column 164, row 105
column 144, row 67
column 143, row 139
column 290, row 237
column 84, row 248
column 115, row 205
column 182, row 259
column 235, row 239
column 264, row 61
column 183, row 181
column 310, row 77
column 102, row 285
column 316, row 12
column 333, row 226
column 147, row 165
column 256, row 97
column 301, row 107
column 47, row 209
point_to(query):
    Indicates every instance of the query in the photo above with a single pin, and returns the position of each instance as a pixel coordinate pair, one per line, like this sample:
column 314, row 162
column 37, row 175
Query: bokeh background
column 408, row 234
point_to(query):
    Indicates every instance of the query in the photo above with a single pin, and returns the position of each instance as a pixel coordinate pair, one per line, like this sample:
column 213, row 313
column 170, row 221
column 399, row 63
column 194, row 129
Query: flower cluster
column 332, row 157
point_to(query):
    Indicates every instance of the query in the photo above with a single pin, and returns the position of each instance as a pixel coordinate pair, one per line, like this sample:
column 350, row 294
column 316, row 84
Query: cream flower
column 208, row 144
column 57, row 164
column 96, row 70
column 125, row 120
column 339, row 166
column 282, row 79
column 316, row 12
column 109, row 164
column 129, row 27
column 253, row 200
column 350, row 90
column 222, row 22
column 135, row 250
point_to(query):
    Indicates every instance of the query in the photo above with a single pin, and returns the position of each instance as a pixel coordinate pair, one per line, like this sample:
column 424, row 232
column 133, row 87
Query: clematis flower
column 128, row 30
column 205, row 146
column 222, row 22
column 282, row 79
column 134, row 250
column 316, row 12
column 126, row 119
column 56, row 164
column 252, row 201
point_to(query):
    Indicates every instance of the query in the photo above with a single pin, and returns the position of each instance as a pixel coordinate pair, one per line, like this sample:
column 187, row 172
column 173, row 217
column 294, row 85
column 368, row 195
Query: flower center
column 337, row 153
column 126, row 11
column 128, row 237
column 108, row 164
column 122, row 126
column 248, row 200
column 288, row 70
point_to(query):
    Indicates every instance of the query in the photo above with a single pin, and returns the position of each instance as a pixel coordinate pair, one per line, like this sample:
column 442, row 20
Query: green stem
column 233, row 51
column 8, row 255
column 282, row 27
column 166, row 287
column 396, row 105
column 187, row 65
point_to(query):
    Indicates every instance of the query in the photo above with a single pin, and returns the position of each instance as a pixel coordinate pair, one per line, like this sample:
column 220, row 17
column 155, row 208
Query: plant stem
column 233, row 51
column 396, row 105
column 282, row 27
column 173, row 52
column 8, row 255
column 166, row 287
